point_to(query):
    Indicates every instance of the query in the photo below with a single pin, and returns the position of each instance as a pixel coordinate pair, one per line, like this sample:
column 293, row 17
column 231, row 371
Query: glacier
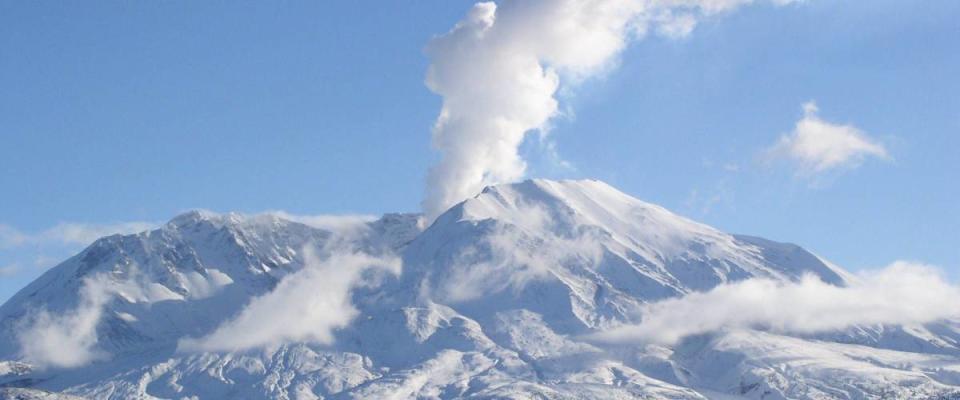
column 496, row 298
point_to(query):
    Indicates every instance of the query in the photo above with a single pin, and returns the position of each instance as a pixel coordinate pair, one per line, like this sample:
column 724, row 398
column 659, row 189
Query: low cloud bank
column 903, row 293
column 68, row 339
column 307, row 306
column 9, row 270
column 28, row 253
column 342, row 224
column 69, row 233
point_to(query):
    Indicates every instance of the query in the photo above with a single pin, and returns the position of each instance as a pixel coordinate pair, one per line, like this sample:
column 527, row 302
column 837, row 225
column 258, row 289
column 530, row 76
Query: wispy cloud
column 816, row 146
column 346, row 223
column 307, row 306
column 44, row 261
column 68, row 233
column 9, row 270
column 26, row 253
column 66, row 339
column 11, row 237
column 83, row 234
column 903, row 293
column 509, row 259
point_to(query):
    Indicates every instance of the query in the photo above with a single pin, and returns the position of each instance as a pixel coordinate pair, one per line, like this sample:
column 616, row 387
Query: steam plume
column 499, row 68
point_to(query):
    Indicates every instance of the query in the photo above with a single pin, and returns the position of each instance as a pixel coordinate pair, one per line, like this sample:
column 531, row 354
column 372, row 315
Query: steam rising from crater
column 499, row 69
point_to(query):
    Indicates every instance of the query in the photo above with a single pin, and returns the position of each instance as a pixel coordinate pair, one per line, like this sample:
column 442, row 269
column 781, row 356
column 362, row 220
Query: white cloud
column 84, row 234
column 48, row 247
column 903, row 293
column 11, row 237
column 349, row 223
column 68, row 233
column 69, row 339
column 307, row 306
column 703, row 200
column 499, row 68
column 676, row 26
column 818, row 146
column 44, row 262
column 9, row 270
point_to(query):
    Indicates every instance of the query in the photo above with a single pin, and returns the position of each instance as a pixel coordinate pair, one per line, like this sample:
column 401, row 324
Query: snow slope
column 494, row 301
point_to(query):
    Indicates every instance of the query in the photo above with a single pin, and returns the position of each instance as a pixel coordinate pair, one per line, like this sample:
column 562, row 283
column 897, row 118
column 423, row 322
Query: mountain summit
column 497, row 298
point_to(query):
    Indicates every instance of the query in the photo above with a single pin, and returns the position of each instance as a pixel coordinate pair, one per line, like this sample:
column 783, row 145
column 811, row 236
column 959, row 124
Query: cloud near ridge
column 69, row 233
column 499, row 68
column 306, row 306
column 903, row 293
column 9, row 270
column 818, row 146
column 44, row 249
column 337, row 223
column 66, row 339
column 509, row 259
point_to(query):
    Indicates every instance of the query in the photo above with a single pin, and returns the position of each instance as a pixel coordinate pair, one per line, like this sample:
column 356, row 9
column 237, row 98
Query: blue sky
column 119, row 112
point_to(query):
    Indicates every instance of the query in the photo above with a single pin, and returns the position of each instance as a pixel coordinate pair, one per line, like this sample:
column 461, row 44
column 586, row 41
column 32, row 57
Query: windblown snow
column 540, row 289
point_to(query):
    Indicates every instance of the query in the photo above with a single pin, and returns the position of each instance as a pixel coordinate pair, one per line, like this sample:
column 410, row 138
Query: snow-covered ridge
column 592, row 234
column 495, row 299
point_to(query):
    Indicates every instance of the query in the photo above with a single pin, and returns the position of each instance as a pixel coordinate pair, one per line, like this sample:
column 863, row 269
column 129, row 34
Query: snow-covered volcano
column 496, row 298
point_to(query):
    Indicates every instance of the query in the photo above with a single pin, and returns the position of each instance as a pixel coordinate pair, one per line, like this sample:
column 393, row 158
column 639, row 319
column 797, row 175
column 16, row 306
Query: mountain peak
column 581, row 194
column 193, row 217
column 540, row 185
column 198, row 217
column 564, row 204
column 585, row 241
